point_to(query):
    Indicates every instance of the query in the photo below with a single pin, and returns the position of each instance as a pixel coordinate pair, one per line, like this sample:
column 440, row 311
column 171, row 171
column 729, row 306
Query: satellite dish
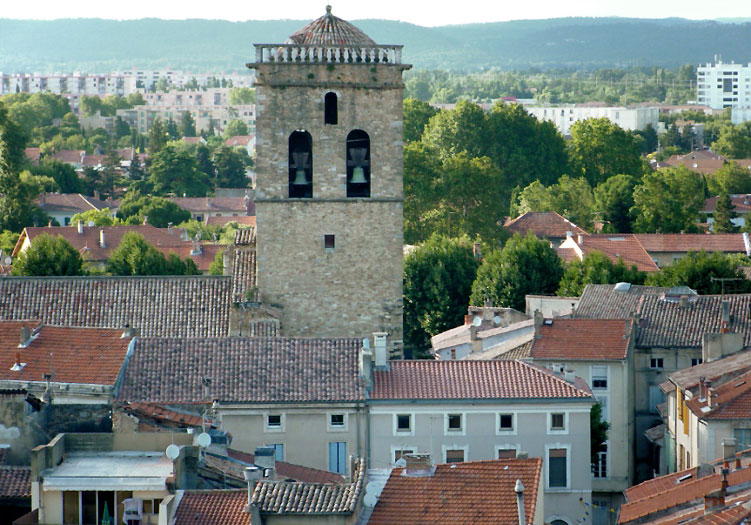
column 204, row 440
column 497, row 320
column 401, row 462
column 477, row 321
column 172, row 452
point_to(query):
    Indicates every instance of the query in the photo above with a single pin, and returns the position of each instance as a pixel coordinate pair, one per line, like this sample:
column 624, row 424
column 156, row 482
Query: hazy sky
column 424, row 12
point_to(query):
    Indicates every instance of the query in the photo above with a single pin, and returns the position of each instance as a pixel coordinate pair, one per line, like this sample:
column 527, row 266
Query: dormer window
column 300, row 165
column 358, row 164
column 330, row 110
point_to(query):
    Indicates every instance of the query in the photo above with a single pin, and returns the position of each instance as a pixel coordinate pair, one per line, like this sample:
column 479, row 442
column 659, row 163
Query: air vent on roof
column 684, row 478
column 622, row 287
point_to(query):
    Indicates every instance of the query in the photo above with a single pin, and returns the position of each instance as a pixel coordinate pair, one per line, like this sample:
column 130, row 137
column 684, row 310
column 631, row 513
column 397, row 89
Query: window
column 454, row 456
column 274, row 421
column 506, row 453
column 329, row 242
column 358, row 164
column 600, row 467
column 300, row 165
column 454, row 422
column 453, row 354
column 336, row 420
column 557, row 422
column 742, row 438
column 338, row 457
column 599, row 377
column 278, row 451
column 403, row 423
column 696, row 361
column 330, row 111
column 557, row 468
column 398, row 453
column 656, row 362
column 506, row 422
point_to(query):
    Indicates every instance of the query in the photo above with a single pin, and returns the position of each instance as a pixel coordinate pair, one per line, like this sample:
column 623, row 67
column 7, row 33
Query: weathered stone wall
column 356, row 288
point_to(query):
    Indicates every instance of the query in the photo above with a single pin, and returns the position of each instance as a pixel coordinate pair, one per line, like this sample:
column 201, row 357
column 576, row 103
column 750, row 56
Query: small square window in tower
column 300, row 165
column 358, row 164
column 330, row 110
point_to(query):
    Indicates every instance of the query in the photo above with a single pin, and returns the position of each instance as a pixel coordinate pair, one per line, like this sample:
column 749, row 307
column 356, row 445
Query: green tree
column 421, row 175
column 614, row 200
column 600, row 149
column 217, row 265
column 230, row 167
column 461, row 130
column 242, row 96
column 101, row 217
column 158, row 210
column 234, row 128
column 730, row 178
column 417, row 114
column 723, row 215
column 668, row 201
column 696, row 271
column 157, row 136
column 734, row 141
column 171, row 129
column 526, row 265
column 438, row 276
column 204, row 162
column 187, row 125
column 598, row 431
column 90, row 105
column 649, row 139
column 174, row 170
column 596, row 268
column 135, row 99
column 8, row 241
column 570, row 197
column 49, row 256
column 135, row 256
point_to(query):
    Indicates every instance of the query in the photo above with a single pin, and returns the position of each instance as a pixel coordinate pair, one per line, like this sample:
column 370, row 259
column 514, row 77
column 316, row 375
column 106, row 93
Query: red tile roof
column 239, row 140
column 212, row 204
column 73, row 202
column 330, row 29
column 241, row 220
column 290, row 471
column 15, row 482
column 588, row 339
column 624, row 246
column 79, row 355
column 660, row 484
column 472, row 492
column 741, row 203
column 33, row 154
column 202, row 260
column 70, row 156
column 692, row 242
column 731, row 400
column 162, row 414
column 603, row 301
column 472, row 380
column 548, row 224
column 212, row 507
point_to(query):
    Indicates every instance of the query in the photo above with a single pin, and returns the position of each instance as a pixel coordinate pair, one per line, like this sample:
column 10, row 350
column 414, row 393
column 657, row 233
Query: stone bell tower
column 329, row 198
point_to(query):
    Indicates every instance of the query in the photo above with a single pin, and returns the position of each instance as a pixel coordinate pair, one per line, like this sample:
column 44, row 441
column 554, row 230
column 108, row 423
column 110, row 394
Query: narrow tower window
column 330, row 111
column 300, row 165
column 358, row 164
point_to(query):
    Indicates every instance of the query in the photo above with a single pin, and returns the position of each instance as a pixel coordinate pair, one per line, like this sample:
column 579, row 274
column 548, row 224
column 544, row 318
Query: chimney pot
column 579, row 239
column 102, row 242
column 80, row 227
column 25, row 336
column 418, row 465
column 519, row 489
column 381, row 355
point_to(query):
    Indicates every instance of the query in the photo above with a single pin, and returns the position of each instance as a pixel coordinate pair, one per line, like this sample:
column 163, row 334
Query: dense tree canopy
column 417, row 114
column 173, row 170
column 734, row 142
column 730, row 178
column 614, row 199
column 157, row 210
column 600, row 149
column 49, row 256
column 570, row 197
column 697, row 269
column 668, row 201
column 134, row 256
column 596, row 268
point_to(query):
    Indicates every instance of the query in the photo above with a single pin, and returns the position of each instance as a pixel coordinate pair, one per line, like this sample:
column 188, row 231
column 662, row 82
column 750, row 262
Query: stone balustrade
column 345, row 54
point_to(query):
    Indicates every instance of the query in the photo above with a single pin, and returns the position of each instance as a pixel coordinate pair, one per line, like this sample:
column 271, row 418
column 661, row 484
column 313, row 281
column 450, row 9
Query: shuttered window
column 557, row 475
column 338, row 457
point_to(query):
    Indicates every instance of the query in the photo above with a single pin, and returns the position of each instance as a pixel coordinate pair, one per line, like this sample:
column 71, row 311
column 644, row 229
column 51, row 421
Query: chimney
column 366, row 363
column 80, row 227
column 519, row 489
column 579, row 239
column 538, row 323
column 252, row 475
column 684, row 302
column 265, row 459
column 569, row 235
column 522, row 454
column 145, row 219
column 381, row 355
column 196, row 248
column 702, row 387
column 725, row 316
column 710, row 395
column 128, row 332
column 569, row 375
column 101, row 239
column 418, row 465
column 25, row 336
column 728, row 451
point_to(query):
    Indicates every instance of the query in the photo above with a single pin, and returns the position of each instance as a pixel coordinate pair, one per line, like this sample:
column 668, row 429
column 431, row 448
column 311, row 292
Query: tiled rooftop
column 212, row 507
column 624, row 246
column 73, row 202
column 280, row 497
column 330, row 29
column 245, row 237
column 15, row 482
column 73, row 355
column 587, row 339
column 244, row 274
column 677, row 242
column 472, row 380
column 730, row 400
column 603, row 301
column 472, row 492
column 289, row 471
column 668, row 324
column 161, row 414
column 245, row 370
column 546, row 224
column 212, row 204
column 716, row 371
column 182, row 306
column 741, row 203
column 241, row 220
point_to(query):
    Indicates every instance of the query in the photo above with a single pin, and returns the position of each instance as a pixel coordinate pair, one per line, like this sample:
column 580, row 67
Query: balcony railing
column 325, row 54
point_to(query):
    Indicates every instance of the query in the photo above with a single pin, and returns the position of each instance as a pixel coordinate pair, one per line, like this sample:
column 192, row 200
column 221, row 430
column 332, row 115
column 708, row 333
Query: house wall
column 361, row 278
column 481, row 438
column 550, row 306
column 305, row 431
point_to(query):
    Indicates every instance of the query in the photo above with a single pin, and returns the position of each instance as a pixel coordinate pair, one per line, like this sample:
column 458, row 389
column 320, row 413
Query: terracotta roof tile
column 686, row 242
column 244, row 274
column 330, row 29
column 33, row 154
column 73, row 202
column 603, row 301
column 162, row 414
column 291, row 471
column 717, row 371
column 472, row 492
column 247, row 370
column 245, row 237
column 666, row 324
column 471, row 380
column 202, row 260
column 70, row 156
column 212, row 507
column 79, row 355
column 660, row 484
column 582, row 339
column 212, row 204
column 15, row 482
column 239, row 140
column 730, row 400
column 741, row 203
column 624, row 246
column 241, row 220
column 196, row 306
column 548, row 224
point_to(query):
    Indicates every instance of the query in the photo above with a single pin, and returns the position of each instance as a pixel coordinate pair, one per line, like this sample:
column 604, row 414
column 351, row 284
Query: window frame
column 596, row 374
column 331, row 427
column 267, row 427
column 557, row 430
column 405, row 432
column 330, row 109
column 449, row 448
column 506, row 446
column 548, row 449
column 653, row 361
column 461, row 431
column 503, row 431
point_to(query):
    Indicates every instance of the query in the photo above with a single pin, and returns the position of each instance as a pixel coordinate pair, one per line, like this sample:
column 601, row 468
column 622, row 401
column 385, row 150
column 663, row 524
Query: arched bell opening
column 300, row 165
column 358, row 164
column 330, row 109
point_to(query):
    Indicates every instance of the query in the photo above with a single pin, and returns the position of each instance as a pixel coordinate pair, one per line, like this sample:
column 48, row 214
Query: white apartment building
column 564, row 117
column 142, row 117
column 723, row 85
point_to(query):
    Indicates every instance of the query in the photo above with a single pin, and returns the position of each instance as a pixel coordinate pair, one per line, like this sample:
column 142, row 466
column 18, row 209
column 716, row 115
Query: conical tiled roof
column 330, row 30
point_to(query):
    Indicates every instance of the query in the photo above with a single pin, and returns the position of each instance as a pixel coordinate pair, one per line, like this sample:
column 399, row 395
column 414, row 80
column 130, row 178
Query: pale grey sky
column 426, row 12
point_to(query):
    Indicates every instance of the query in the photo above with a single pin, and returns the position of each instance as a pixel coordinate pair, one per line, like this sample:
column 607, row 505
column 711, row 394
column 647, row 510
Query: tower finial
column 328, row 9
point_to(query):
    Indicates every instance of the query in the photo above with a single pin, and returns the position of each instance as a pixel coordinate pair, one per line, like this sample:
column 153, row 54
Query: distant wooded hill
column 95, row 45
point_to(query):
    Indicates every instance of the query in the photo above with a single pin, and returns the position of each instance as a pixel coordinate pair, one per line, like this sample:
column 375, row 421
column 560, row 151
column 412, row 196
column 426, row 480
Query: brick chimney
column 538, row 323
column 80, row 227
column 102, row 242
column 418, row 465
